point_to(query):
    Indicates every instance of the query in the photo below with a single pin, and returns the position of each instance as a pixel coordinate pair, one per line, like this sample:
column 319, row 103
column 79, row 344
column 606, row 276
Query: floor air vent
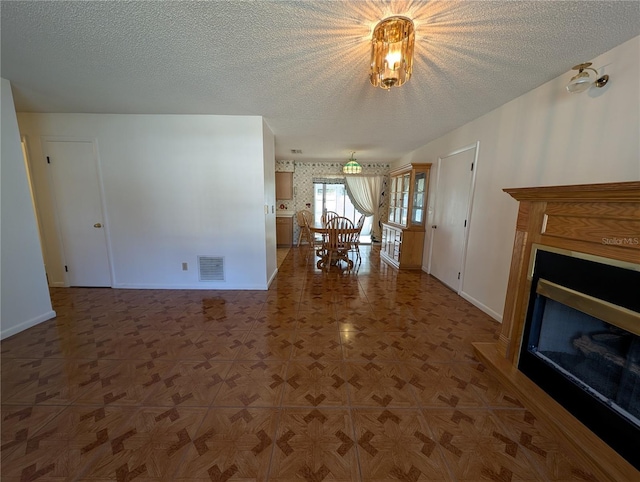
column 211, row 268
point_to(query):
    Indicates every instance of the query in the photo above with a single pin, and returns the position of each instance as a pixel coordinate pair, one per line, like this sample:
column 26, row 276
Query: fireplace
column 568, row 345
column 581, row 342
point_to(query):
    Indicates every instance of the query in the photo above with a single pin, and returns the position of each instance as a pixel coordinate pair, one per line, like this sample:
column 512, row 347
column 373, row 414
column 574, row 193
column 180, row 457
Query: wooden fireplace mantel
column 595, row 219
column 588, row 218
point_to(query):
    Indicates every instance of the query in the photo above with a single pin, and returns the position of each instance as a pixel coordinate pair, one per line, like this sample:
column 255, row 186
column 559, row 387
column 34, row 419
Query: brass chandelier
column 392, row 52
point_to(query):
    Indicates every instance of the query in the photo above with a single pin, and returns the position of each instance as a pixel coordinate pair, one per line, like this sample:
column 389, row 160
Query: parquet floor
column 362, row 376
column 281, row 255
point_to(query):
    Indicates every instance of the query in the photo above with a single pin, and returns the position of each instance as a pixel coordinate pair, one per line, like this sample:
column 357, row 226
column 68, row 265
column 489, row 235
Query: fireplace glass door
column 600, row 357
column 581, row 344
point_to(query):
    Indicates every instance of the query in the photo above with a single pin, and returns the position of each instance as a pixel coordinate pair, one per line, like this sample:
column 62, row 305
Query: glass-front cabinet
column 403, row 234
column 408, row 198
column 419, row 199
column 399, row 201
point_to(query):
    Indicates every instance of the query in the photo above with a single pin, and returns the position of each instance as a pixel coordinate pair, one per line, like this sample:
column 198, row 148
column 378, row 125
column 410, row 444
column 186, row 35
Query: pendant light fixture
column 352, row 166
column 392, row 52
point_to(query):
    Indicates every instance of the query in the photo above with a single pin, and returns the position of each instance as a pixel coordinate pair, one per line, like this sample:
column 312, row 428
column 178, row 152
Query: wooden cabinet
column 390, row 247
column 408, row 196
column 402, row 248
column 284, row 231
column 403, row 235
column 284, row 185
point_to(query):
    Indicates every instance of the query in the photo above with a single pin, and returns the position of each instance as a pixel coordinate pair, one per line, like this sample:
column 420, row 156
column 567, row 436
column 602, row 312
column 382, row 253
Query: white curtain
column 364, row 193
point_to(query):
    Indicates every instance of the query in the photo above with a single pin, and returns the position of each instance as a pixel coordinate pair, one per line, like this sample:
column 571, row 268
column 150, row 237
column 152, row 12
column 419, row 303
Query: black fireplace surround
column 588, row 360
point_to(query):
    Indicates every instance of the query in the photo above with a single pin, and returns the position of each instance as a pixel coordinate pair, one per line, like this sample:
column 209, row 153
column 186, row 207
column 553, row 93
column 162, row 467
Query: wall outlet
column 185, row 267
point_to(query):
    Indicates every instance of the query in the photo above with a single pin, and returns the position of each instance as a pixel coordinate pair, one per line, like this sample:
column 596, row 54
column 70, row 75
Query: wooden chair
column 327, row 216
column 338, row 241
column 304, row 232
column 315, row 240
column 355, row 242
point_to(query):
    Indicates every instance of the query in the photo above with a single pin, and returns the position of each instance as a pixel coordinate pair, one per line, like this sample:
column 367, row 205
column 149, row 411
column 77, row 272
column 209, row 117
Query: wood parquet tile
column 477, row 447
column 539, row 445
column 366, row 375
column 315, row 383
column 314, row 444
column 397, row 444
column 232, row 443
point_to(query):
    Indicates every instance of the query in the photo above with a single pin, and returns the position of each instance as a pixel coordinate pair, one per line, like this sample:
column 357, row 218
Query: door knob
column 97, row 225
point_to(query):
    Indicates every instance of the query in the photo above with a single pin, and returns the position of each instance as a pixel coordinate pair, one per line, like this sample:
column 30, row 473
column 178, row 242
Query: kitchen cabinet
column 284, row 185
column 403, row 234
column 284, row 231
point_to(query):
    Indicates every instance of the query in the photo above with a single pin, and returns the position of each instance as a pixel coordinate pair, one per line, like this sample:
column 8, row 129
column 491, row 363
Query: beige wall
column 545, row 137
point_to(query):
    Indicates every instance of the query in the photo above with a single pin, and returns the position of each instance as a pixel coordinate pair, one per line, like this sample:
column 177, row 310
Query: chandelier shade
column 352, row 166
column 392, row 46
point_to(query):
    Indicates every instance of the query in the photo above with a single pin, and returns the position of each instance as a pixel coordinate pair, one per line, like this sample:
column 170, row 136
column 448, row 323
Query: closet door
column 449, row 230
column 75, row 182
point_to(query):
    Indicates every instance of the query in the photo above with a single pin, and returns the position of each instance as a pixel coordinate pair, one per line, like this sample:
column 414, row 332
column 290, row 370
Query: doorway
column 452, row 216
column 77, row 194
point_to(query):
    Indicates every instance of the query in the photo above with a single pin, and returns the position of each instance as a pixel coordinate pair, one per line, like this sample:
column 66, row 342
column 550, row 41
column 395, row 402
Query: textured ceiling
column 302, row 65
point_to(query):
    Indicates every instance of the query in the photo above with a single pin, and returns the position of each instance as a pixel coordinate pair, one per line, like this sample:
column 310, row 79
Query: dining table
column 323, row 252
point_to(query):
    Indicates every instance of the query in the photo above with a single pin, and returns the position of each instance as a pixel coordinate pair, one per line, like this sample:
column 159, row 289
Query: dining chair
column 315, row 240
column 327, row 216
column 304, row 233
column 355, row 241
column 338, row 240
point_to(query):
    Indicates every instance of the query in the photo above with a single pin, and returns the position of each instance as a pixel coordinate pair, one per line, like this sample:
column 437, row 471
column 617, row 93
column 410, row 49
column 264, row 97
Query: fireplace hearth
column 589, row 364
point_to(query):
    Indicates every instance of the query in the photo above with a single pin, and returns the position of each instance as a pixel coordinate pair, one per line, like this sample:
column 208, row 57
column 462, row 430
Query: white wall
column 269, row 146
column 175, row 187
column 545, row 137
column 23, row 285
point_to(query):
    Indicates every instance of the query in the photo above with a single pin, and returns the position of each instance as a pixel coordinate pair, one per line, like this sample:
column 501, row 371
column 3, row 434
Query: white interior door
column 448, row 232
column 76, row 189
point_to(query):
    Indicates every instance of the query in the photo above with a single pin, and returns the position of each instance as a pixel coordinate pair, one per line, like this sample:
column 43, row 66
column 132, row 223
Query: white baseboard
column 273, row 276
column 27, row 324
column 199, row 286
column 496, row 316
column 58, row 284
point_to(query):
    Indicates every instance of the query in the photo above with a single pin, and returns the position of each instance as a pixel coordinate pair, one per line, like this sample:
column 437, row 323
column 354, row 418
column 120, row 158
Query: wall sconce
column 392, row 52
column 584, row 79
column 352, row 166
